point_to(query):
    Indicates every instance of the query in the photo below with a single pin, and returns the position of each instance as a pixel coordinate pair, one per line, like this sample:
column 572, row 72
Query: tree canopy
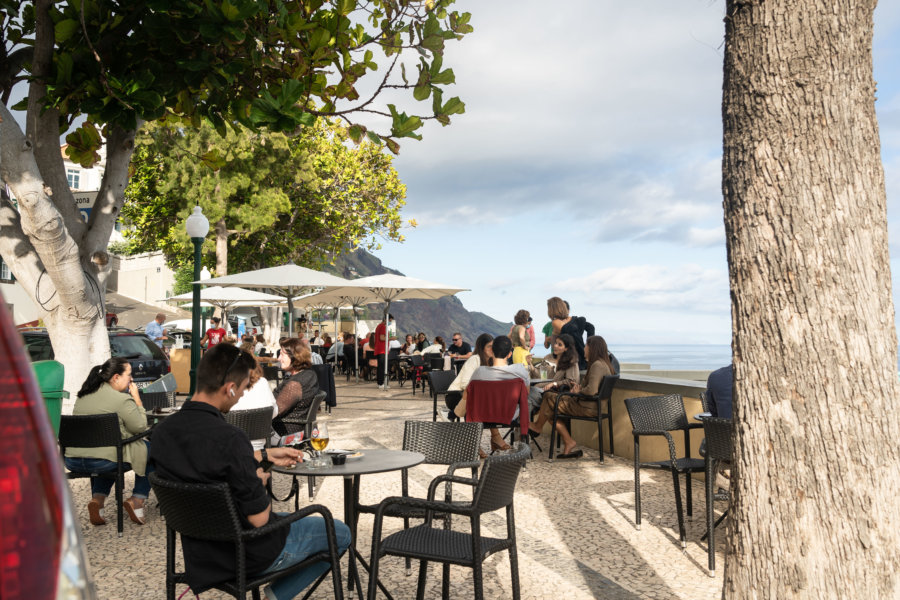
column 97, row 69
column 276, row 198
column 278, row 64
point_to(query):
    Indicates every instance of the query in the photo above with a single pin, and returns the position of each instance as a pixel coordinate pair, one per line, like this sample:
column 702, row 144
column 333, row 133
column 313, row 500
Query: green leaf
column 212, row 159
column 65, row 29
column 230, row 11
column 356, row 133
column 454, row 106
column 421, row 92
column 445, row 77
column 345, row 7
column 373, row 137
column 64, row 66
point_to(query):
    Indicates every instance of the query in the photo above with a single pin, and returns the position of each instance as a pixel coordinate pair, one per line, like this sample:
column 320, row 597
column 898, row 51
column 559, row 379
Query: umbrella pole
column 356, row 343
column 290, row 309
column 387, row 343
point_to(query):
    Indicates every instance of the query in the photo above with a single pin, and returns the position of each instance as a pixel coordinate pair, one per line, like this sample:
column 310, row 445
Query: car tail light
column 41, row 554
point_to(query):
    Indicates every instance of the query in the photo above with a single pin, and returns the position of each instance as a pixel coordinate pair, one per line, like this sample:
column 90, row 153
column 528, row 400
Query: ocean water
column 683, row 357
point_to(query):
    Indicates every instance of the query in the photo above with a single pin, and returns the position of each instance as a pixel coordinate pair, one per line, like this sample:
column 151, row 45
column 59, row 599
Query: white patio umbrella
column 326, row 299
column 227, row 298
column 288, row 281
column 390, row 288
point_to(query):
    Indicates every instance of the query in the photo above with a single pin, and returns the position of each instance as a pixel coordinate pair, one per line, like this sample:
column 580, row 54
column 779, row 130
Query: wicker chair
column 492, row 490
column 658, row 415
column 718, row 448
column 98, row 431
column 206, row 511
column 272, row 373
column 255, row 422
column 416, row 371
column 452, row 444
column 301, row 419
column 603, row 393
column 439, row 381
column 154, row 400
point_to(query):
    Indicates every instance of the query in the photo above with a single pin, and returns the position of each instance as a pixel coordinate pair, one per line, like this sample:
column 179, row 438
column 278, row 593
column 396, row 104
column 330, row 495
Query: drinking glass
column 319, row 441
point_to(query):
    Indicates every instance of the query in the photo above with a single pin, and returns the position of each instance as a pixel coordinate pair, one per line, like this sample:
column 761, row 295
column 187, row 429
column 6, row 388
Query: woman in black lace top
column 300, row 385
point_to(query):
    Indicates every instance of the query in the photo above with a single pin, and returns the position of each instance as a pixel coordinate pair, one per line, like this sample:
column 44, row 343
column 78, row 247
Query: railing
column 631, row 385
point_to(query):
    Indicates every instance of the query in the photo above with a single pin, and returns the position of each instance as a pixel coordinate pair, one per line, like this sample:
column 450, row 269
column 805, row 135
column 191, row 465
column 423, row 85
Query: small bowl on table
column 338, row 458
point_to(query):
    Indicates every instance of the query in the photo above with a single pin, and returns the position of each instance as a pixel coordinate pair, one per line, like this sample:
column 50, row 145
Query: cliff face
column 435, row 317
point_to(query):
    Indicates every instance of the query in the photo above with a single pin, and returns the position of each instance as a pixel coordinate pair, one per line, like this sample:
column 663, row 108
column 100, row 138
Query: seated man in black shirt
column 459, row 348
column 196, row 445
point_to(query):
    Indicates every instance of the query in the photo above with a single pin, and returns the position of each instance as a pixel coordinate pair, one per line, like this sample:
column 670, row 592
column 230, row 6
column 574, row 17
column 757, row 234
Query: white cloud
column 685, row 287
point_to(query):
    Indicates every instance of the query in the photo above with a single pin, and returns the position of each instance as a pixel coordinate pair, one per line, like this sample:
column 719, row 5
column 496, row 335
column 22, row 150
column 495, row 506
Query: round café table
column 373, row 461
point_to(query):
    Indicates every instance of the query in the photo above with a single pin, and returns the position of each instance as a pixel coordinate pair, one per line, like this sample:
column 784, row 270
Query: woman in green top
column 109, row 389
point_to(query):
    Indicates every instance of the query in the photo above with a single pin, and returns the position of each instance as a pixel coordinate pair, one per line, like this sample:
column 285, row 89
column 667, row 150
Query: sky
column 588, row 165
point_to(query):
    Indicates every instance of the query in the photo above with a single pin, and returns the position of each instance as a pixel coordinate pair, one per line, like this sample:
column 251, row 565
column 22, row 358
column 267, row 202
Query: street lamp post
column 197, row 227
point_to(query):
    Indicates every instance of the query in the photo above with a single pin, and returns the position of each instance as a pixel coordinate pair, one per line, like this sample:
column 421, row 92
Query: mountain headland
column 434, row 317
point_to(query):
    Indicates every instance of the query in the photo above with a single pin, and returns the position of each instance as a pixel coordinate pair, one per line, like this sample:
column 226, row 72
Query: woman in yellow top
column 518, row 335
column 599, row 366
column 109, row 389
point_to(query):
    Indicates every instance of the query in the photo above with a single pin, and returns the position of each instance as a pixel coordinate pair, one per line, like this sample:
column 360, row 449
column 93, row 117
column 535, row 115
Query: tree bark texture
column 59, row 260
column 221, row 248
column 817, row 444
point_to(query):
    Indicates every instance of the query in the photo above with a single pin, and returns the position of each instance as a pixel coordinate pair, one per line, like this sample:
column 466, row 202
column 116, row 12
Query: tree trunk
column 271, row 321
column 221, row 248
column 817, row 458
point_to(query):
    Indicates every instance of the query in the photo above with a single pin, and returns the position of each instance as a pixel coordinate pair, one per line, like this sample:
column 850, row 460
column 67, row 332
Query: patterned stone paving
column 575, row 523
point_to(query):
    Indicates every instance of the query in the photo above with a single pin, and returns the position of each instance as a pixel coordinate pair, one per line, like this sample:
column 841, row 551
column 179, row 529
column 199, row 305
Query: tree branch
column 16, row 249
column 43, row 225
column 111, row 197
column 42, row 126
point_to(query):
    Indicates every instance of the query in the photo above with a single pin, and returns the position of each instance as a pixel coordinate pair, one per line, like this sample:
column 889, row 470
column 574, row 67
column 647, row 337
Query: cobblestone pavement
column 575, row 523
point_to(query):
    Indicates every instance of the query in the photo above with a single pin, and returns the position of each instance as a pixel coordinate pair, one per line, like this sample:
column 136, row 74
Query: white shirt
column 465, row 374
column 258, row 396
column 316, row 358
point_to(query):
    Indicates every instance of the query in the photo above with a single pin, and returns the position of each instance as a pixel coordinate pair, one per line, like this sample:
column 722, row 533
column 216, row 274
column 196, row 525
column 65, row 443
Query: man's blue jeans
column 307, row 536
column 103, row 485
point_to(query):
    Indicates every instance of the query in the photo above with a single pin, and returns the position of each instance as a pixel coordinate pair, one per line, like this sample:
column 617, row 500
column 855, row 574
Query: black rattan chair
column 658, row 415
column 154, row 400
column 718, row 449
column 604, row 393
column 206, row 511
column 272, row 373
column 439, row 381
column 325, row 375
column 255, row 422
column 492, row 490
column 415, row 371
column 300, row 419
column 98, row 431
column 452, row 444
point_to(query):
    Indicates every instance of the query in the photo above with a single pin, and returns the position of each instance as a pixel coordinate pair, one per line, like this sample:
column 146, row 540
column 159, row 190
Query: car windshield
column 134, row 346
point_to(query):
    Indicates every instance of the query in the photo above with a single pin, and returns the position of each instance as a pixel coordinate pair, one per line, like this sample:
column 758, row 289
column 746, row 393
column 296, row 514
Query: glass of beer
column 319, row 441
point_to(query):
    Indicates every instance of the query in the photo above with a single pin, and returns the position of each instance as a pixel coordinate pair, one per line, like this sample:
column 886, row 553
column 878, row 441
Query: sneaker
column 444, row 414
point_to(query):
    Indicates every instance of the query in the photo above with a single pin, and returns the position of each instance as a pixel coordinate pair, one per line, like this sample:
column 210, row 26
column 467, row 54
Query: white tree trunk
column 271, row 320
column 61, row 262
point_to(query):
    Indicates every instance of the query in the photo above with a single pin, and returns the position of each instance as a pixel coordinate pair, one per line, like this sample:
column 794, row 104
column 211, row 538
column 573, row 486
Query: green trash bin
column 50, row 375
